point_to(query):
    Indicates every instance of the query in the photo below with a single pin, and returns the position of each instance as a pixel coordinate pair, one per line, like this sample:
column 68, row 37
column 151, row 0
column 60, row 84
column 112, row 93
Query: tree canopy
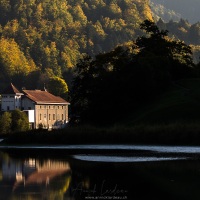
column 14, row 121
column 41, row 39
column 114, row 83
column 45, row 34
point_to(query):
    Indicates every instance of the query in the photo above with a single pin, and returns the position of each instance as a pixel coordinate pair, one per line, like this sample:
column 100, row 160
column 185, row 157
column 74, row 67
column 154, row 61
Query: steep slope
column 53, row 34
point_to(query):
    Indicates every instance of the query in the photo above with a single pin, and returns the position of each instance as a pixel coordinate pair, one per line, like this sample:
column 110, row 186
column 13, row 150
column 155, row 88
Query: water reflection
column 32, row 178
column 41, row 175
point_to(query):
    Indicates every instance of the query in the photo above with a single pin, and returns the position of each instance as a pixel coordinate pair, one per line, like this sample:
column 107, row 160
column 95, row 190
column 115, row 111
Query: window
column 40, row 116
column 53, row 116
column 45, row 116
column 49, row 116
column 62, row 116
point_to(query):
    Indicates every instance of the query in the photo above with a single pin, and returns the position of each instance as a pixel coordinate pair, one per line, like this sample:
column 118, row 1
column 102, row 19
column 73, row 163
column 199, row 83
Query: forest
column 113, row 85
column 42, row 40
column 94, row 51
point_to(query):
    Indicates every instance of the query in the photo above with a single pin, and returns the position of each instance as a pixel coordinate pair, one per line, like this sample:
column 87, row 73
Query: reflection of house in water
column 12, row 170
column 44, row 171
column 32, row 172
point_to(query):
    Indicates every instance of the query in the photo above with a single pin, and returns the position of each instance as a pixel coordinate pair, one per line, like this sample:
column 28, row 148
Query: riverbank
column 162, row 134
column 171, row 119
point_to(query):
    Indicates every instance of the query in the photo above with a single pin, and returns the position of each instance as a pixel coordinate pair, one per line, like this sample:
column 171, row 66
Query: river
column 74, row 172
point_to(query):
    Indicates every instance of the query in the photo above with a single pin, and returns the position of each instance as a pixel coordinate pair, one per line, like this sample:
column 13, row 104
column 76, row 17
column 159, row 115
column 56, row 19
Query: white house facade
column 11, row 99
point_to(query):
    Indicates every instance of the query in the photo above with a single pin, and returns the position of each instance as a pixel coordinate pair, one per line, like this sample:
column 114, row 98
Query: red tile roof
column 40, row 96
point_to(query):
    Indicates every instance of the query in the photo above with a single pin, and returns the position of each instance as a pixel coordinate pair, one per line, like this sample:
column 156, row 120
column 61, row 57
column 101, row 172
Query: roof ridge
column 40, row 96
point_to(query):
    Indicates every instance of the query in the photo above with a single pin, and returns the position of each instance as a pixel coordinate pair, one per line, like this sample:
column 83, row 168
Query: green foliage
column 19, row 121
column 48, row 34
column 58, row 87
column 5, row 123
column 117, row 82
column 15, row 121
column 175, row 55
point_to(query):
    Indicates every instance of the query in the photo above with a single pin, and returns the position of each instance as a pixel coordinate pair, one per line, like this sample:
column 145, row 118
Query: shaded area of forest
column 113, row 85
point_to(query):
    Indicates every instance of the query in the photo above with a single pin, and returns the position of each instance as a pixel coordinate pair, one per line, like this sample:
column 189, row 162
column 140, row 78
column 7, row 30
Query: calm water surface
column 99, row 172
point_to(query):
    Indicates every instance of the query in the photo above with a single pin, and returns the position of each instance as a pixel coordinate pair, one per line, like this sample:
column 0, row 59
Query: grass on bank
column 172, row 119
column 168, row 134
column 179, row 104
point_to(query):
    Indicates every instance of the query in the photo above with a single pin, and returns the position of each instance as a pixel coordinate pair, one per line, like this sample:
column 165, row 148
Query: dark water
column 100, row 172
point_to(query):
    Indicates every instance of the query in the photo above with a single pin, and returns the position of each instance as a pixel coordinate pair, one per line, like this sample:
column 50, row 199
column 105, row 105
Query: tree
column 4, row 11
column 58, row 87
column 175, row 55
column 110, row 85
column 19, row 121
column 12, row 59
column 5, row 123
column 81, row 86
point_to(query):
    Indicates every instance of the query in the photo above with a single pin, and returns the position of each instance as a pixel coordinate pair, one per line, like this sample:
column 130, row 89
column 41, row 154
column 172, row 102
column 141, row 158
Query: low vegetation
column 173, row 119
column 13, row 121
column 160, row 134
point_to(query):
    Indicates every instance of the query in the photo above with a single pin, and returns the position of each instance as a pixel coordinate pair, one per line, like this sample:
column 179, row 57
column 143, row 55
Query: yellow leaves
column 99, row 30
column 13, row 59
column 115, row 24
column 66, row 59
column 115, row 9
column 146, row 11
column 79, row 14
column 57, row 86
column 90, row 43
column 11, row 28
column 39, row 11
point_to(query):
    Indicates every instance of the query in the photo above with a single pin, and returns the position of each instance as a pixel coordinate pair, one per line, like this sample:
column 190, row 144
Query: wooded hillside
column 43, row 39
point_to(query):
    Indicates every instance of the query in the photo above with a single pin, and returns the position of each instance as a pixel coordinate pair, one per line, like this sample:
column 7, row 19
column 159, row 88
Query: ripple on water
column 125, row 159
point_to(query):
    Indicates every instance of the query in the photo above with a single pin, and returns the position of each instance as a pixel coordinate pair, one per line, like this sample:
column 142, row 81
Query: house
column 44, row 110
column 11, row 98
